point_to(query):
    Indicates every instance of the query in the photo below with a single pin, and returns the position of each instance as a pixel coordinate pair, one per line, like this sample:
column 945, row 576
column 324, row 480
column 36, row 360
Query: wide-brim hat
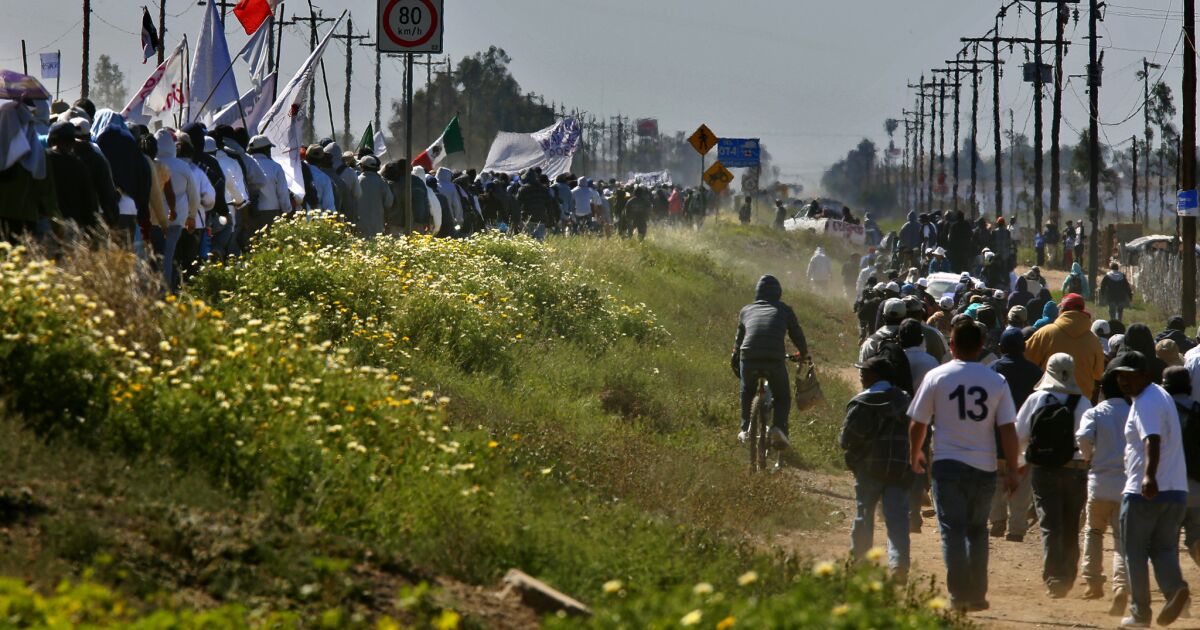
column 1060, row 375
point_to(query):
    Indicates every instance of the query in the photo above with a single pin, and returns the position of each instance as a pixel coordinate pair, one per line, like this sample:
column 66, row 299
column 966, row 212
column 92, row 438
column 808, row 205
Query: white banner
column 162, row 93
column 283, row 121
column 657, row 178
column 552, row 149
column 50, row 64
column 255, row 103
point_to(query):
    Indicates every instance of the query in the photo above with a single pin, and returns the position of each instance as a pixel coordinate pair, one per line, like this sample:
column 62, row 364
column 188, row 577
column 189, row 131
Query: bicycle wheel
column 759, row 425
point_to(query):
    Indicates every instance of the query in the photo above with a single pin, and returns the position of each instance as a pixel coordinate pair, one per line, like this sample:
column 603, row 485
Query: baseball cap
column 1132, row 361
column 946, row 302
column 998, row 294
column 923, row 283
column 879, row 286
column 259, row 142
column 894, row 307
column 893, row 287
column 878, row 365
column 83, row 127
column 1101, row 328
column 1018, row 315
column 370, row 161
column 1072, row 302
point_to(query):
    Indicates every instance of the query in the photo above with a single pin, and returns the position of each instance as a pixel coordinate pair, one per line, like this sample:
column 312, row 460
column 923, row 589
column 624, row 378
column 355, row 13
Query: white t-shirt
column 1191, row 362
column 964, row 402
column 1037, row 400
column 1154, row 413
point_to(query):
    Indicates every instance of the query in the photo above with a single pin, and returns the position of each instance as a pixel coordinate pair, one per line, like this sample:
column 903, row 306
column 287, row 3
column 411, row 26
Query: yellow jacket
column 1070, row 333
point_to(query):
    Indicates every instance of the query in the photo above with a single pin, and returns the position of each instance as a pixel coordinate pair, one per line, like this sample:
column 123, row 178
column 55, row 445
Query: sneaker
column 1131, row 622
column 743, row 437
column 1094, row 591
column 1175, row 605
column 779, row 440
column 1014, row 538
column 1120, row 601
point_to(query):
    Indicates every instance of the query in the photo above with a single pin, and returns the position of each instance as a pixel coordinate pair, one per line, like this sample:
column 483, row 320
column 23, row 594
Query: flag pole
column 58, row 75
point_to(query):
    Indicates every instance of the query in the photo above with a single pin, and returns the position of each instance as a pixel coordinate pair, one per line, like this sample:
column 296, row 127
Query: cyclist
column 759, row 350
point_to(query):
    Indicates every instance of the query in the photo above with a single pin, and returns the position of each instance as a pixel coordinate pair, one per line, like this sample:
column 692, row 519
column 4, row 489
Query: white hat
column 998, row 294
column 894, row 307
column 1101, row 328
column 989, row 255
column 940, row 251
column 923, row 283
column 879, row 286
column 369, row 161
column 258, row 142
column 893, row 287
column 1060, row 375
column 83, row 127
column 946, row 303
column 210, row 144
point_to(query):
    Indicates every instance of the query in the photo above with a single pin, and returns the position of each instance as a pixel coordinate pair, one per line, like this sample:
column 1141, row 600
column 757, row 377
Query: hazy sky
column 809, row 78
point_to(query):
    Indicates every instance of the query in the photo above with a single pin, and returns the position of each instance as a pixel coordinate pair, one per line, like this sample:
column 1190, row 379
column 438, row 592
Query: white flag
column 212, row 82
column 381, row 149
column 282, row 123
column 162, row 93
column 254, row 53
column 255, row 103
column 50, row 62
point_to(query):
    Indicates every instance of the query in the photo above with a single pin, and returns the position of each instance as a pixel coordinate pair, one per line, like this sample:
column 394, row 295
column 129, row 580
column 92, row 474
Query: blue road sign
column 738, row 152
column 1188, row 203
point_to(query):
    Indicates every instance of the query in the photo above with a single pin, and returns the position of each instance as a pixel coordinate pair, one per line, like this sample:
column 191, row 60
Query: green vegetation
column 354, row 414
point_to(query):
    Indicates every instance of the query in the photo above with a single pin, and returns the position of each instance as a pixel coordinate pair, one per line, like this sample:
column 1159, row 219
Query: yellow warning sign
column 703, row 139
column 718, row 177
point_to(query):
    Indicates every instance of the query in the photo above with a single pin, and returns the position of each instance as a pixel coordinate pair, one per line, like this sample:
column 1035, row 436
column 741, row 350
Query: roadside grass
column 578, row 421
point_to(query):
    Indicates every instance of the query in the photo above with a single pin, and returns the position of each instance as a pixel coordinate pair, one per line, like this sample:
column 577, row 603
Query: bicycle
column 761, row 414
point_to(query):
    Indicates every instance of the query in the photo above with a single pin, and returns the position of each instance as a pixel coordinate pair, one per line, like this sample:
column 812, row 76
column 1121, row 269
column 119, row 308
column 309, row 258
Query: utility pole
column 224, row 4
column 1062, row 15
column 162, row 30
column 974, row 71
column 87, row 43
column 919, row 156
column 1188, row 161
column 1094, row 74
column 1038, row 182
column 957, row 87
column 1146, row 66
column 350, row 38
column 429, row 64
column 1012, row 166
column 313, row 20
column 281, row 22
column 1134, row 187
column 933, row 114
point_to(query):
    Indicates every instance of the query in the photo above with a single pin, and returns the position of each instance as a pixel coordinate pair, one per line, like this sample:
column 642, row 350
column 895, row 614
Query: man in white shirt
column 1046, row 425
column 966, row 403
column 274, row 198
column 1155, row 493
column 1101, row 439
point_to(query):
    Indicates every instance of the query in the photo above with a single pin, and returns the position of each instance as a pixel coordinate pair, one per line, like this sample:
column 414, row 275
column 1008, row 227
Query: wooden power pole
column 1188, row 161
column 87, row 44
column 350, row 38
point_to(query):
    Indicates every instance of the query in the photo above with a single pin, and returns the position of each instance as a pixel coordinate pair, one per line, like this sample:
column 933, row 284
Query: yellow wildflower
column 840, row 610
column 823, row 569
column 703, row 588
column 613, row 586
column 726, row 623
column 748, row 578
column 691, row 618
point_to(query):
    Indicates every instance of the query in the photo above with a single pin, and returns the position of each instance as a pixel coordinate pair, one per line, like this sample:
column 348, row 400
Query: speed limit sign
column 410, row 26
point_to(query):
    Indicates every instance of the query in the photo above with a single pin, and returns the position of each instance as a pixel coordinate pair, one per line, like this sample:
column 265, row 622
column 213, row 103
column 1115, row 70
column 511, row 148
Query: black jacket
column 764, row 325
column 536, row 203
column 875, row 435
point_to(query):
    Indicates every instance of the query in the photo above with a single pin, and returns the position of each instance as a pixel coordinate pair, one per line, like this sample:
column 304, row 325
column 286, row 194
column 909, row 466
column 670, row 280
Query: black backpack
column 890, row 350
column 1052, row 433
column 888, row 462
column 1189, row 421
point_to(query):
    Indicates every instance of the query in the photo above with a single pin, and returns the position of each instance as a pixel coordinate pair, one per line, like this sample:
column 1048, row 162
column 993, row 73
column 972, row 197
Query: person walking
column 1101, row 440
column 965, row 402
column 1155, row 493
column 1047, row 424
column 375, row 198
column 1115, row 292
column 1009, row 511
column 1070, row 333
column 820, row 270
column 874, row 439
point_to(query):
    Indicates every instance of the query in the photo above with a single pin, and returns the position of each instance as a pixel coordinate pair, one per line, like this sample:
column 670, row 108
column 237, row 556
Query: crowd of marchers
column 998, row 405
column 182, row 196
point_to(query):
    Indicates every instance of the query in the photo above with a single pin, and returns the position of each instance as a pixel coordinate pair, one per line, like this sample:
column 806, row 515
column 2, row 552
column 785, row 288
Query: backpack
column 887, row 462
column 1052, row 433
column 1189, row 420
column 890, row 350
column 1074, row 284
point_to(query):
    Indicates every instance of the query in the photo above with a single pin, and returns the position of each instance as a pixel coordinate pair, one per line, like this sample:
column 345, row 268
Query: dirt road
column 1018, row 598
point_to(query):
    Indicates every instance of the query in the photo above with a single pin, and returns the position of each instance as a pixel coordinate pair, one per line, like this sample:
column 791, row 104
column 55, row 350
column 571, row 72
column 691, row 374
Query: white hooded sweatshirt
column 185, row 203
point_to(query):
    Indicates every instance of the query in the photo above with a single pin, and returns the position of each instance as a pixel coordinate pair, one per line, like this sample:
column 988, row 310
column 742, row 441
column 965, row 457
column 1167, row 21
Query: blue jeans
column 962, row 495
column 172, row 239
column 1059, row 495
column 867, row 494
column 1116, row 312
column 777, row 379
column 1151, row 534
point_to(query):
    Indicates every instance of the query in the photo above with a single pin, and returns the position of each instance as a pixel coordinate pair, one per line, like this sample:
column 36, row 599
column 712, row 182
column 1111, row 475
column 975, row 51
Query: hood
column 768, row 289
column 419, row 171
column 108, row 120
column 1075, row 323
column 1076, row 269
column 583, row 183
column 1138, row 337
column 1176, row 323
column 1012, row 342
column 445, row 177
column 1115, row 276
column 196, row 132
column 889, row 398
column 912, row 216
column 1022, row 285
column 1050, row 310
column 166, row 143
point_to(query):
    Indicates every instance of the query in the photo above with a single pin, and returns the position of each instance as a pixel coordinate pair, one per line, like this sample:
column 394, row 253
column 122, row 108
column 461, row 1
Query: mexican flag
column 373, row 141
column 451, row 141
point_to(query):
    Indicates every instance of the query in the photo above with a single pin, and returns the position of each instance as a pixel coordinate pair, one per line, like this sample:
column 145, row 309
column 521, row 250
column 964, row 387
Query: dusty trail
column 1017, row 596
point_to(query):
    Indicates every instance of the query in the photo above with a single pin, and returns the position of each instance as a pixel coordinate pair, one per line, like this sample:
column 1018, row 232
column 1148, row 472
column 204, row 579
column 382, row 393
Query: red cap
column 1072, row 302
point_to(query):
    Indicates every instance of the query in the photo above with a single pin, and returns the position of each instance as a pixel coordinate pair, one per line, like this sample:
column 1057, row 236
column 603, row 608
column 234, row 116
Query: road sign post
column 702, row 140
column 410, row 26
column 718, row 177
